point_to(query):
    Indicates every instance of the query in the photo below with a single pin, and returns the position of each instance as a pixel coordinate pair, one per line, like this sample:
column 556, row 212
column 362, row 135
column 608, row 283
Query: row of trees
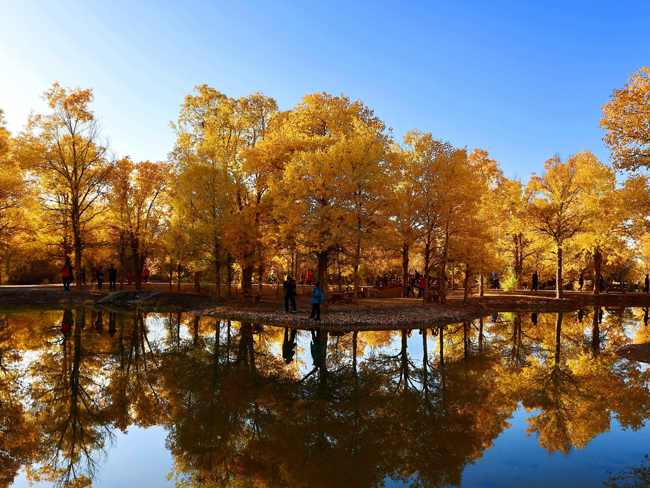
column 261, row 192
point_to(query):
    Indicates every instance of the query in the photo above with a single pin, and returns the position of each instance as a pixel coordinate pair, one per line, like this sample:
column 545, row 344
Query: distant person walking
column 66, row 275
column 112, row 277
column 535, row 280
column 308, row 277
column 581, row 283
column 421, row 285
column 145, row 275
column 647, row 284
column 317, row 297
column 601, row 283
column 100, row 277
column 411, row 285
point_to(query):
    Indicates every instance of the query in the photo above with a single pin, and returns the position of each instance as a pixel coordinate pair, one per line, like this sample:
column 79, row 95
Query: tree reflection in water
column 251, row 405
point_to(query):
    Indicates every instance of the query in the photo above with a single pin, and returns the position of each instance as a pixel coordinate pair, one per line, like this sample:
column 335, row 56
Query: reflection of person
column 580, row 315
column 112, row 277
column 317, row 348
column 645, row 316
column 533, row 318
column 99, row 323
column 317, row 297
column 67, row 323
column 600, row 315
column 111, row 324
column 289, row 345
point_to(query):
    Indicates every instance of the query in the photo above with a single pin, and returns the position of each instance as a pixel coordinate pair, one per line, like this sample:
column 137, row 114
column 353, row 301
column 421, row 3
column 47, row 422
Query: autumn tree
column 65, row 151
column 213, row 133
column 328, row 153
column 555, row 208
column 139, row 201
column 401, row 214
column 603, row 234
column 626, row 119
column 438, row 170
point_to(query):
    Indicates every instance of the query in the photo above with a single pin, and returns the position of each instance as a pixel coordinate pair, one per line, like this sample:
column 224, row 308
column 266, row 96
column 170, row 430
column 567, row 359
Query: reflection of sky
column 138, row 459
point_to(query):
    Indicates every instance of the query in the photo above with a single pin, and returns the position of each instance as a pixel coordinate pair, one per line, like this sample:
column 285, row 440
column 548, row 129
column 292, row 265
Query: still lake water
column 92, row 398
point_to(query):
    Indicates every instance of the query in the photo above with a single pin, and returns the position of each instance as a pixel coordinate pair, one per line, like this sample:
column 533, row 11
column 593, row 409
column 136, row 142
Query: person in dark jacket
column 112, row 277
column 289, row 291
column 317, row 297
column 535, row 279
column 647, row 284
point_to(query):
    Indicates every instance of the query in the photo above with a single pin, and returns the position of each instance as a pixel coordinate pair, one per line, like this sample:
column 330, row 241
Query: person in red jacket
column 66, row 274
column 421, row 287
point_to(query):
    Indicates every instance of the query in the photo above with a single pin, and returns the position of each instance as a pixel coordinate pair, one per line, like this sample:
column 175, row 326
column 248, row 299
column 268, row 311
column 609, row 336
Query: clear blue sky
column 522, row 79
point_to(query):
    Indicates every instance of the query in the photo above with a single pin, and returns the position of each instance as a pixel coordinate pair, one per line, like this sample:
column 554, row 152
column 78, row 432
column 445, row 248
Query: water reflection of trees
column 350, row 408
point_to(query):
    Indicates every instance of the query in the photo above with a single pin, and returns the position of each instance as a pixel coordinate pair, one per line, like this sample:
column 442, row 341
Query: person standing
column 411, row 285
column 581, row 282
column 601, row 283
column 145, row 275
column 112, row 277
column 647, row 284
column 66, row 274
column 308, row 277
column 534, row 280
column 286, row 290
column 420, row 287
column 100, row 277
column 317, row 297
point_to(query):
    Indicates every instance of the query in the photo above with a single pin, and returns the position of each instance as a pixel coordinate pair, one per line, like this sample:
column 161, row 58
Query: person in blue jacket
column 317, row 297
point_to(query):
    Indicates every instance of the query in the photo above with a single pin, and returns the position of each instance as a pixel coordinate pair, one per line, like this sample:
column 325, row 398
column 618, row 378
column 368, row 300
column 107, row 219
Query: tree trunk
column 558, row 284
column 135, row 252
column 427, row 253
column 481, row 290
column 229, row 276
column 558, row 332
column 405, row 270
column 598, row 260
column 197, row 282
column 595, row 341
column 466, row 284
column 171, row 272
column 247, row 278
column 77, row 256
column 322, row 271
column 441, row 284
column 217, row 278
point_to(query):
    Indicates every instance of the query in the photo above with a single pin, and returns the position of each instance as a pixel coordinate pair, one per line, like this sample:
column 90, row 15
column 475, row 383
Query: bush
column 509, row 282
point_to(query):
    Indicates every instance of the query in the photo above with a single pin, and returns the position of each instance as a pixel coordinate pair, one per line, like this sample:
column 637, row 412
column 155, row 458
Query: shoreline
column 382, row 313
